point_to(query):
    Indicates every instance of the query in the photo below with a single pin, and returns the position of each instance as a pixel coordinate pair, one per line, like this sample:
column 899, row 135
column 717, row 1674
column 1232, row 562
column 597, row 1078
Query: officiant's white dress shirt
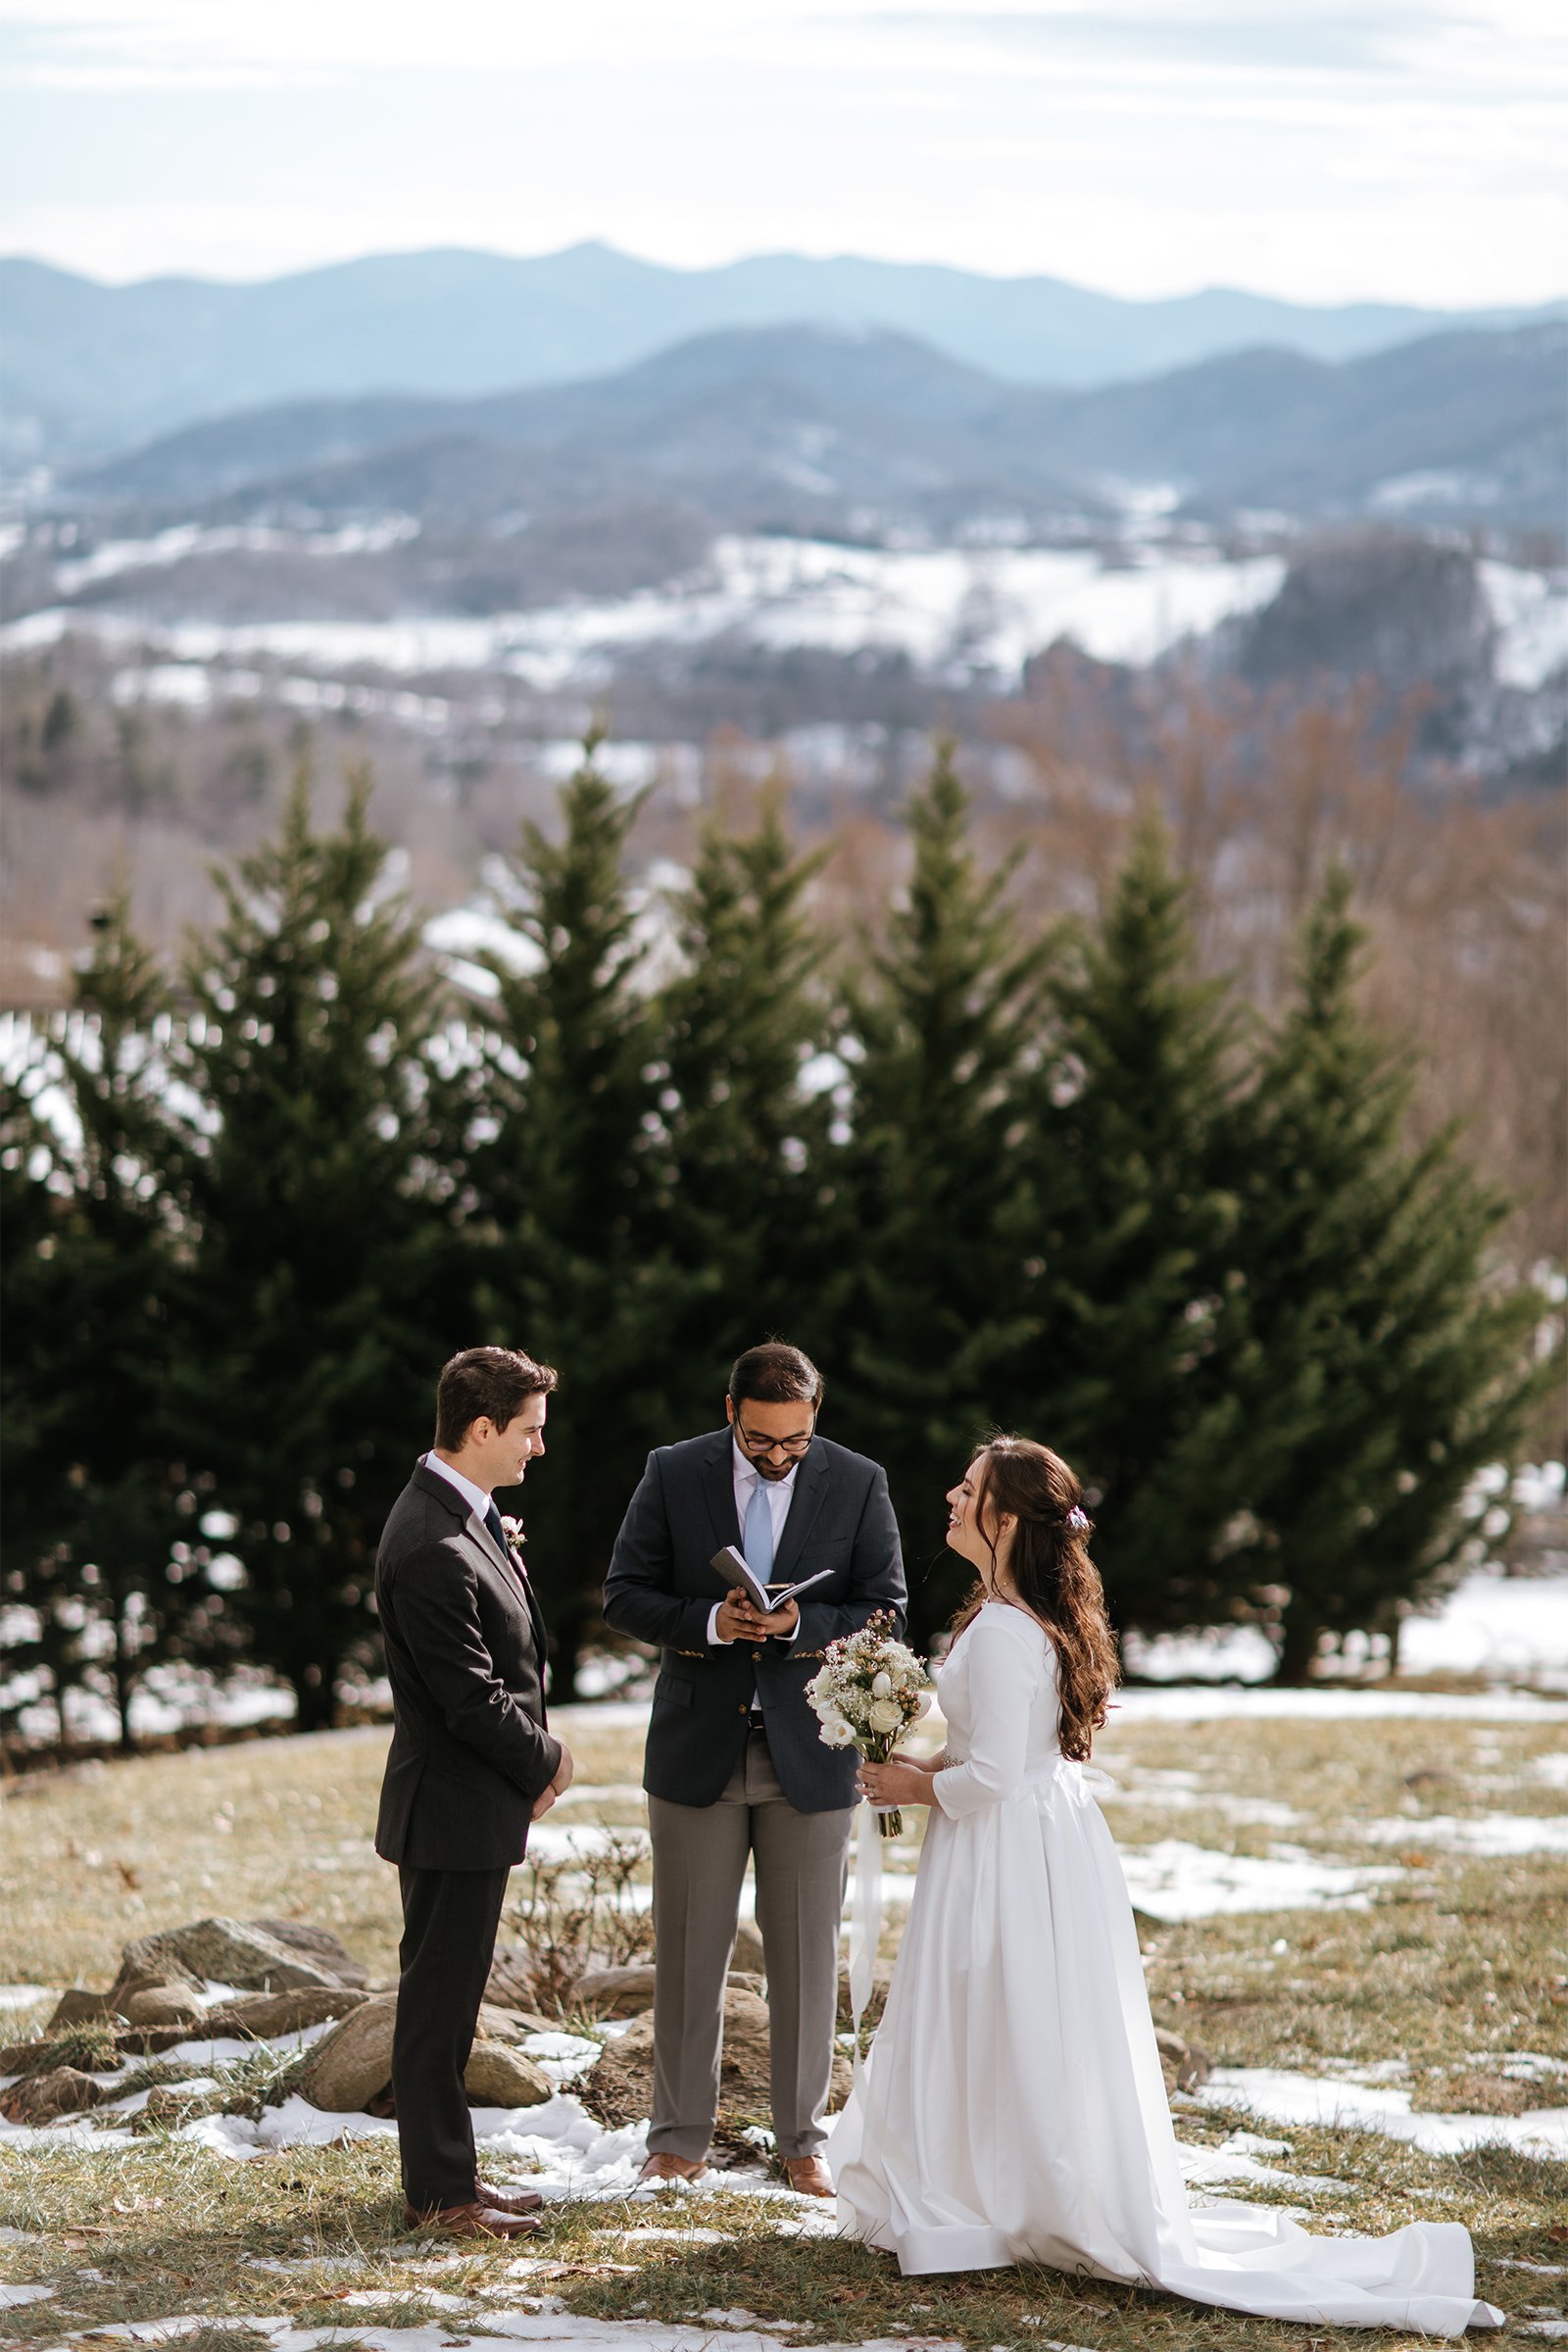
column 780, row 1493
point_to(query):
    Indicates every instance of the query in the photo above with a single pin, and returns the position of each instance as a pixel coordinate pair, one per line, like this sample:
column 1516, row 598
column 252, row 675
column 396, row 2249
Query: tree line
column 987, row 1172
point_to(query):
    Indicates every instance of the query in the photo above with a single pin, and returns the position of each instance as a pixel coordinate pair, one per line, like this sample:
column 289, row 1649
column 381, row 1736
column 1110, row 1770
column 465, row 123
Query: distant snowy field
column 1513, row 1629
column 957, row 612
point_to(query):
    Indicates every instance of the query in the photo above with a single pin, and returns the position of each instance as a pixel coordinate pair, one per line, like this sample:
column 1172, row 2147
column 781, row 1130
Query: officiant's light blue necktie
column 759, row 1537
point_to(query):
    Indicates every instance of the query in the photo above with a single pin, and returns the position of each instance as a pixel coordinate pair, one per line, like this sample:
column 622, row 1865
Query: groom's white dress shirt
column 780, row 1493
column 477, row 1500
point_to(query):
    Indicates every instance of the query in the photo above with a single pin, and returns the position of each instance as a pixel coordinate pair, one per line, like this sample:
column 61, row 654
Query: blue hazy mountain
column 93, row 367
column 804, row 427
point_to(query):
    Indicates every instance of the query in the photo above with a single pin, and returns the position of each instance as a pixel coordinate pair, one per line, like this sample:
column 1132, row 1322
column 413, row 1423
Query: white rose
column 884, row 1715
column 881, row 1685
column 835, row 1732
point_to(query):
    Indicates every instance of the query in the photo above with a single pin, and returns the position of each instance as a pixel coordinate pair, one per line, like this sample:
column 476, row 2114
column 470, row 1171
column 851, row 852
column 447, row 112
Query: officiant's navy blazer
column 662, row 1589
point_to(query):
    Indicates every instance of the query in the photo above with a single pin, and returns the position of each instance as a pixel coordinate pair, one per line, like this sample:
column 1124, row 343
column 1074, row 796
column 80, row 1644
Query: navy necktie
column 492, row 1520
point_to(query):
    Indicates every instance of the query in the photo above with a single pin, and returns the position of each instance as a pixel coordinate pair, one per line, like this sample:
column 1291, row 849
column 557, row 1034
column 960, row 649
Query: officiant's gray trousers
column 700, row 1857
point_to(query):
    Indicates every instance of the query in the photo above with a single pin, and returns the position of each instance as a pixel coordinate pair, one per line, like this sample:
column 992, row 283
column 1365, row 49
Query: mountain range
column 90, row 369
column 809, row 429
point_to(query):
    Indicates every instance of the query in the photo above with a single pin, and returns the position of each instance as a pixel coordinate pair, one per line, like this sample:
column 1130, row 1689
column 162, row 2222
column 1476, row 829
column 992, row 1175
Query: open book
column 731, row 1566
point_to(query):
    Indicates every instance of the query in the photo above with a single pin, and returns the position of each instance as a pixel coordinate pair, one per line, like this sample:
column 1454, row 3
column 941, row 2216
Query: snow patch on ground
column 552, row 1841
column 1492, row 1834
column 12, row 2298
column 1196, row 1703
column 1489, row 1624
column 1492, row 1625
column 543, row 2323
column 1280, row 2096
column 1172, row 1881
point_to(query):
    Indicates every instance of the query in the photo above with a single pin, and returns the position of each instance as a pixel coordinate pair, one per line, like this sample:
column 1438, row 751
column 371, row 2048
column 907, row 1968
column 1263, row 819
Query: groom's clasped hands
column 557, row 1787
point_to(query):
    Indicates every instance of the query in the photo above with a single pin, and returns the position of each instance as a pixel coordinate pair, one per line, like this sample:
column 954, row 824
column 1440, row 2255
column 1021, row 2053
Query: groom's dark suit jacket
column 465, row 1658
column 662, row 1589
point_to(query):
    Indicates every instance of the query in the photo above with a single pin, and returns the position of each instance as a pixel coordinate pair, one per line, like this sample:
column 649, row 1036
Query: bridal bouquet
column 868, row 1693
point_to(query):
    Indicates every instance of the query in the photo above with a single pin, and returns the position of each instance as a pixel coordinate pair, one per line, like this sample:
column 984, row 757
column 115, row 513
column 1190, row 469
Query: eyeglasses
column 755, row 1443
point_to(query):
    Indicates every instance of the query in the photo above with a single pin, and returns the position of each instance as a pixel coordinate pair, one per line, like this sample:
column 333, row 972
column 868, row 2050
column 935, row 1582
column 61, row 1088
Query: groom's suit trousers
column 700, row 1857
column 450, row 1919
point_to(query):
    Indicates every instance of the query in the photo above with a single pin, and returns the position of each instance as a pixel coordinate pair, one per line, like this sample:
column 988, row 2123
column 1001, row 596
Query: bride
column 1012, row 2109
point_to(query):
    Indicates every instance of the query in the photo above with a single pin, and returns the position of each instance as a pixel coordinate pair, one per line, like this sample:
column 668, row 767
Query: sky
column 1307, row 148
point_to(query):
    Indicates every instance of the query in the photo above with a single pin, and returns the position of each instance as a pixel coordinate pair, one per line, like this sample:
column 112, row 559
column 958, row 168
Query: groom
column 472, row 1763
column 734, row 1766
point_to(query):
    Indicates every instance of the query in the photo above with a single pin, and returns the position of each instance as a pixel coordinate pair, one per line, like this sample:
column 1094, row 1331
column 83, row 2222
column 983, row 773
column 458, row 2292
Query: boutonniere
column 511, row 1529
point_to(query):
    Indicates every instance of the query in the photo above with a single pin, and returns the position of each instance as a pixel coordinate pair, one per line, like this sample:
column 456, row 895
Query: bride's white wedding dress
column 1012, row 2107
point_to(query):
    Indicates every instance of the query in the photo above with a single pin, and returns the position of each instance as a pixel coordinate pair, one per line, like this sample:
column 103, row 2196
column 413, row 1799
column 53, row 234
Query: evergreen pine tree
column 327, row 1282
column 570, row 1170
column 750, row 1189
column 1391, row 1364
column 1143, row 1323
column 933, row 1303
column 99, row 1534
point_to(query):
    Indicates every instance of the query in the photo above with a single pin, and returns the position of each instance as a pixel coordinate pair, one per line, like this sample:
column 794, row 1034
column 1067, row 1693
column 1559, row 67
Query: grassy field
column 1454, row 1966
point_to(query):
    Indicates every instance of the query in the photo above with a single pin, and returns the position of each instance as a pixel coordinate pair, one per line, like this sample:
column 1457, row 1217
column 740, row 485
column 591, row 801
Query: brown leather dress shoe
column 809, row 2175
column 510, row 2200
column 665, row 2167
column 471, row 2221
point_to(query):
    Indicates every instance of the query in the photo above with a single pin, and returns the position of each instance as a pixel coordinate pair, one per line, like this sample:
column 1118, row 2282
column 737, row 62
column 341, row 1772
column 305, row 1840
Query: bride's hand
column 896, row 1782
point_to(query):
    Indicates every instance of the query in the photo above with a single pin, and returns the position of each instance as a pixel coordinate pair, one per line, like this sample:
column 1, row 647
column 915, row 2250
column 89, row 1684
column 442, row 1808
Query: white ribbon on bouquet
column 865, row 1918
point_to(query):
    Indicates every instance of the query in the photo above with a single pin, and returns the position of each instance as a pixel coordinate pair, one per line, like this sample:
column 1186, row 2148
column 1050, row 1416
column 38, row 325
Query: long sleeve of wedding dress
column 1012, row 2108
column 1004, row 1662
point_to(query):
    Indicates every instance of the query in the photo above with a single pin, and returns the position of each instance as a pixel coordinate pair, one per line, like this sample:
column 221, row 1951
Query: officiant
column 734, row 1768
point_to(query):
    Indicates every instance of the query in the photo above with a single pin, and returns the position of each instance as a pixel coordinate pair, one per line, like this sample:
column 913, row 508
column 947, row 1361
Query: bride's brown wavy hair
column 1057, row 1580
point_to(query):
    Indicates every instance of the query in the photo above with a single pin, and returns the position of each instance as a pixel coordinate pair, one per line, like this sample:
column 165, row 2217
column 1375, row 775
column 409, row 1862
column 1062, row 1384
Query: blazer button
column 757, row 1653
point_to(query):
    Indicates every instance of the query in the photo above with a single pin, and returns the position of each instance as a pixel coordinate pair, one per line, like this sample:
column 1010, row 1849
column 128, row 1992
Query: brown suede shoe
column 471, row 2221
column 665, row 2167
column 510, row 2200
column 810, row 2177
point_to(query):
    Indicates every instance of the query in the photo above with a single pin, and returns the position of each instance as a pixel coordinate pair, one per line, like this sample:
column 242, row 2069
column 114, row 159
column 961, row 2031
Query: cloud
column 1408, row 151
column 1510, row 41
column 1261, row 41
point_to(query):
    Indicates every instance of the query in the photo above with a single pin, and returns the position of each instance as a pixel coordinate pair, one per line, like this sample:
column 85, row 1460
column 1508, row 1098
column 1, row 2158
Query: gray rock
column 351, row 2065
column 164, row 2005
column 78, row 2007
column 232, row 1951
column 498, row 2076
column 1184, row 2064
column 627, row 1992
column 616, row 1992
column 748, row 1953
column 317, row 1943
column 150, row 1960
column 39, row 2098
column 265, row 2014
